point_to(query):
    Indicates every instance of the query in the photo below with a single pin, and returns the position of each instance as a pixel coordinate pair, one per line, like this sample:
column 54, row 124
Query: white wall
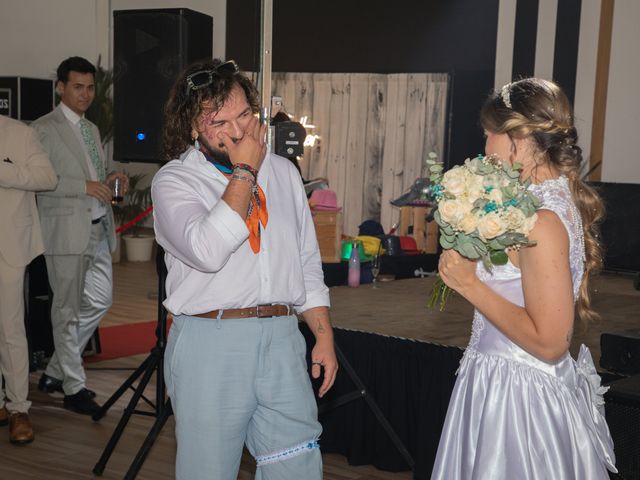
column 621, row 162
column 36, row 35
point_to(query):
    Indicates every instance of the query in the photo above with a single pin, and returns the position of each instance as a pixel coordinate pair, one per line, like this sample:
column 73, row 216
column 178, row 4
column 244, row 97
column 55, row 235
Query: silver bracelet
column 247, row 179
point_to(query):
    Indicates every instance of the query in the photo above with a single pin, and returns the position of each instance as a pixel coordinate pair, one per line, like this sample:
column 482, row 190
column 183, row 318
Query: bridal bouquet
column 483, row 209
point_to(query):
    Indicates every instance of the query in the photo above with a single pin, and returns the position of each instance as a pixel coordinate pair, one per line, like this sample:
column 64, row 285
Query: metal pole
column 265, row 62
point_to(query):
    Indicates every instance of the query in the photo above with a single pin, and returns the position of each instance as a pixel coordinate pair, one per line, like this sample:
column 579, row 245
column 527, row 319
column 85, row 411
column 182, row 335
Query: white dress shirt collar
column 72, row 116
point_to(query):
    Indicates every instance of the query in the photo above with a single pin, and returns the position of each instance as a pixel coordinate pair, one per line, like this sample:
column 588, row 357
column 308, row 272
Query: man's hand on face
column 251, row 148
column 98, row 190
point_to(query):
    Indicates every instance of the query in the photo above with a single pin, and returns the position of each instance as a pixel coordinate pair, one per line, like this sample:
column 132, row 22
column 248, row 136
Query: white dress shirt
column 210, row 263
column 98, row 208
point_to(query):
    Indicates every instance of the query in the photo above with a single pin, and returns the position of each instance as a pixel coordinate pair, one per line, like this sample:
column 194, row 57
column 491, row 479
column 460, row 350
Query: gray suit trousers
column 82, row 294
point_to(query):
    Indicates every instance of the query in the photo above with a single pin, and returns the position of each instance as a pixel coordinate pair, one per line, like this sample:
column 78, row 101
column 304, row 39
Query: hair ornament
column 505, row 93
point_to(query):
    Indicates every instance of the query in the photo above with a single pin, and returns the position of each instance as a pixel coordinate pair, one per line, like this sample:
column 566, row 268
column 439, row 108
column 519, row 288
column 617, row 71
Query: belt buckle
column 259, row 313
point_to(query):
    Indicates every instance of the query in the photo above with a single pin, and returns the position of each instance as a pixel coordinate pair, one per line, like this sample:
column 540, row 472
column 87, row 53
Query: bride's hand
column 457, row 272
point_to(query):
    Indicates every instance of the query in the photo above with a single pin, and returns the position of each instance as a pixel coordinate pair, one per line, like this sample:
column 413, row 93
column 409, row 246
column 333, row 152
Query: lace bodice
column 555, row 196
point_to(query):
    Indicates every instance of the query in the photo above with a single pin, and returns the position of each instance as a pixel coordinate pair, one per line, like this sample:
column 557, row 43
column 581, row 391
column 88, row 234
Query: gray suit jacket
column 24, row 169
column 65, row 213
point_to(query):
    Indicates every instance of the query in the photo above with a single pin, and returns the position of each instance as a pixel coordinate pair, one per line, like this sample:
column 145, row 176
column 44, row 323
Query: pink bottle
column 353, row 277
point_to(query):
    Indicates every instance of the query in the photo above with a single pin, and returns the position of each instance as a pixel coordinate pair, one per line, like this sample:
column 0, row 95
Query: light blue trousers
column 244, row 381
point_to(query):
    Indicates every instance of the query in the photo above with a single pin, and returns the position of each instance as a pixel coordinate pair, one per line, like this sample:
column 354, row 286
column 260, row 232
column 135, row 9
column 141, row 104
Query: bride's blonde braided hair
column 539, row 109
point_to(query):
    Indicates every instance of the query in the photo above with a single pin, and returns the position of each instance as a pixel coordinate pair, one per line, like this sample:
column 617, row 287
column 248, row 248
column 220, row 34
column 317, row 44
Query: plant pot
column 139, row 248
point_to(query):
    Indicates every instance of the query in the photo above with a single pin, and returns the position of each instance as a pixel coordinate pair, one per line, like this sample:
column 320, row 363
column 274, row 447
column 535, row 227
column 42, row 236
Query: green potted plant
column 137, row 200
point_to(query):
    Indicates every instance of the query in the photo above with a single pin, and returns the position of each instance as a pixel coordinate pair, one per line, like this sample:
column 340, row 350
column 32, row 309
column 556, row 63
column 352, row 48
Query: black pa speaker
column 25, row 98
column 621, row 352
column 37, row 303
column 619, row 229
column 623, row 418
column 151, row 47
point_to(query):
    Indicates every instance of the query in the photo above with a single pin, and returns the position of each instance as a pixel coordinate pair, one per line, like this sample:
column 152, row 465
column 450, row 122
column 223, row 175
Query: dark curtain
column 411, row 381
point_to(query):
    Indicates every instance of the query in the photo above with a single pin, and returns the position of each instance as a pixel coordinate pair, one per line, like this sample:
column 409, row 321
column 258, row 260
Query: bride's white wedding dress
column 513, row 416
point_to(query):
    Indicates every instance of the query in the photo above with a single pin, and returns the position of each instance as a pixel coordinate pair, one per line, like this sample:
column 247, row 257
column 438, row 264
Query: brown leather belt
column 261, row 311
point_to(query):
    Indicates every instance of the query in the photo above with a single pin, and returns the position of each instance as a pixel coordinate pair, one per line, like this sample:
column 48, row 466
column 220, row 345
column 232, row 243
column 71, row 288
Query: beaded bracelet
column 246, row 168
column 244, row 178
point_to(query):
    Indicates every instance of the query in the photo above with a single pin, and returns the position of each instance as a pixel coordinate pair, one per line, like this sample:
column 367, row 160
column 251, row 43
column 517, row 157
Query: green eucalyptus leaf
column 467, row 250
column 445, row 242
column 494, row 244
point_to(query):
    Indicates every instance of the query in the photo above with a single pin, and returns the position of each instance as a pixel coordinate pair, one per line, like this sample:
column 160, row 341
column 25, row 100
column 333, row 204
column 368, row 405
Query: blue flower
column 490, row 207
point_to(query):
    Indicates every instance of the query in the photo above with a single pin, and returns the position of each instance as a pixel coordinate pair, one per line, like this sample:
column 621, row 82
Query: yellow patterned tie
column 90, row 142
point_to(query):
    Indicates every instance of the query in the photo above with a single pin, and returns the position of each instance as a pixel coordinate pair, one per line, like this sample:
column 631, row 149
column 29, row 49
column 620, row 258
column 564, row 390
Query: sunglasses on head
column 204, row 78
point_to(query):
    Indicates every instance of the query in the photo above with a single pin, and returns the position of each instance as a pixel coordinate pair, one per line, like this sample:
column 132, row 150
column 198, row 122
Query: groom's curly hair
column 185, row 103
column 540, row 110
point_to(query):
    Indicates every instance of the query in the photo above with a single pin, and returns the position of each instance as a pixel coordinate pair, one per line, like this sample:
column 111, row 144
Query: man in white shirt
column 78, row 232
column 242, row 258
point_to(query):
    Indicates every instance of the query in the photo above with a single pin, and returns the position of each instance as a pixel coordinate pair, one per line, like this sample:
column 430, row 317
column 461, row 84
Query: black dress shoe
column 49, row 384
column 81, row 402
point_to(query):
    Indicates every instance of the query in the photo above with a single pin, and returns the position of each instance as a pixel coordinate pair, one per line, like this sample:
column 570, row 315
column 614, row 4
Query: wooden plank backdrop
column 375, row 133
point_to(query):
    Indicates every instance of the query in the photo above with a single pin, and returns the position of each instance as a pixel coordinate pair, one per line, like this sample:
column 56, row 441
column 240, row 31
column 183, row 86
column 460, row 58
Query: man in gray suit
column 78, row 232
column 24, row 169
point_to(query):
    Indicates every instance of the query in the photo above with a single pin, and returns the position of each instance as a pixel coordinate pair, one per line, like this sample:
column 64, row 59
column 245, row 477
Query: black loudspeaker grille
column 620, row 226
column 38, row 313
column 151, row 47
column 621, row 352
column 623, row 417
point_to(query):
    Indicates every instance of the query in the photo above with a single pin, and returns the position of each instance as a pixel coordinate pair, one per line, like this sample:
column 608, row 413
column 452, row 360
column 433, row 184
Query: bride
column 522, row 407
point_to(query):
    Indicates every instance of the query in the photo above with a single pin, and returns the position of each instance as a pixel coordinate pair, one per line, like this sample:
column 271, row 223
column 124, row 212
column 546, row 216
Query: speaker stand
column 362, row 392
column 154, row 363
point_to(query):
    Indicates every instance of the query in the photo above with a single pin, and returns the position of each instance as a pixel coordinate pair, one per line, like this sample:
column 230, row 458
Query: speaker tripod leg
column 150, row 365
column 141, row 456
column 122, row 389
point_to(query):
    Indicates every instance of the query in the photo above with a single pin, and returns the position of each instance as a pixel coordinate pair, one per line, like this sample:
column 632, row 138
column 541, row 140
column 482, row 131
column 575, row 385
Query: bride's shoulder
column 549, row 232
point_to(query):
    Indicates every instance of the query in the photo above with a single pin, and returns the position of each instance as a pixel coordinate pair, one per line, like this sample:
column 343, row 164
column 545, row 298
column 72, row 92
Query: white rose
column 452, row 211
column 475, row 188
column 491, row 226
column 454, row 181
column 513, row 218
column 528, row 223
column 496, row 196
column 468, row 223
